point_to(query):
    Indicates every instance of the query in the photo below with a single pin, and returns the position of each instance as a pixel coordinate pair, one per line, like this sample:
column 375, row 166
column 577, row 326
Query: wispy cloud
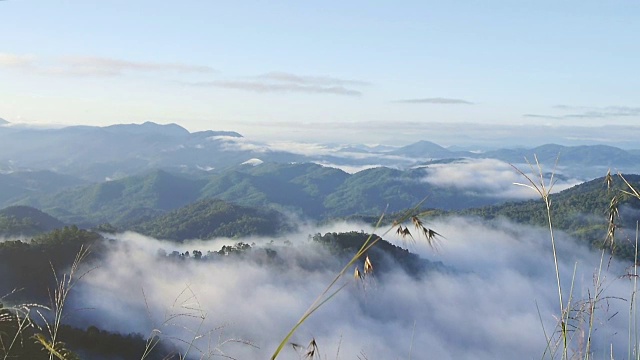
column 12, row 60
column 309, row 80
column 95, row 66
column 282, row 82
column 540, row 116
column 113, row 67
column 436, row 100
column 265, row 87
column 586, row 112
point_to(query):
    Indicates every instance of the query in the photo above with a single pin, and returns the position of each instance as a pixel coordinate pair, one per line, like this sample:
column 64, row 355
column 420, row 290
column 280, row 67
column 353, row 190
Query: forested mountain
column 27, row 264
column 308, row 190
column 26, row 221
column 386, row 256
column 121, row 201
column 17, row 185
column 210, row 218
column 582, row 210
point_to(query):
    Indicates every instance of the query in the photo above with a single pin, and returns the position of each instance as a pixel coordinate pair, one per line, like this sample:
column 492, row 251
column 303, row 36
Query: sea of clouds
column 497, row 300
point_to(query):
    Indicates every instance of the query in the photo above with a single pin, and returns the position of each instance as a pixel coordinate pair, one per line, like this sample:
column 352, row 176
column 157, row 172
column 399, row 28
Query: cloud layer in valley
column 488, row 177
column 485, row 307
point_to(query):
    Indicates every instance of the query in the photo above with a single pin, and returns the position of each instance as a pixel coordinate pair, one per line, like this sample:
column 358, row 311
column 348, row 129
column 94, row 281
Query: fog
column 489, row 177
column 484, row 307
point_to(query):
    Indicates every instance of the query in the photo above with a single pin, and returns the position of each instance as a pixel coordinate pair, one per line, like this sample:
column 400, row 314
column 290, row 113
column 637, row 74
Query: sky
column 356, row 71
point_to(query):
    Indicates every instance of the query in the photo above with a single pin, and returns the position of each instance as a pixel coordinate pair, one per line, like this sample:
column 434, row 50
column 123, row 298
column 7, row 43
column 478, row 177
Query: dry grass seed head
column 368, row 267
column 357, row 274
column 313, row 351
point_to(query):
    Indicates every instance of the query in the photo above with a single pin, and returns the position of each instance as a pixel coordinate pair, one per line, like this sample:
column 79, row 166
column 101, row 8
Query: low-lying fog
column 497, row 302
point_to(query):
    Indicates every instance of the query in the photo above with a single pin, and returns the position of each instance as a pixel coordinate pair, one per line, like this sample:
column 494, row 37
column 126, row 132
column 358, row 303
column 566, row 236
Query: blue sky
column 321, row 70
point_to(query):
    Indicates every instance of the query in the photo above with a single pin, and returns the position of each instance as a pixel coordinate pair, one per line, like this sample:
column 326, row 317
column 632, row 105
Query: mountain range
column 94, row 154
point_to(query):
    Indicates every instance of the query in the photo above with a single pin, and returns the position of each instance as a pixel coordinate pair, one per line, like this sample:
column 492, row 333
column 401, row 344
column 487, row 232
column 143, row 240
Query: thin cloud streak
column 12, row 60
column 109, row 66
column 264, row 87
column 436, row 100
column 95, row 66
column 584, row 112
column 309, row 80
column 283, row 82
column 540, row 116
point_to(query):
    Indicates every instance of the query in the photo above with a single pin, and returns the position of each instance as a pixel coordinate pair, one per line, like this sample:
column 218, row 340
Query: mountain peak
column 422, row 148
column 149, row 126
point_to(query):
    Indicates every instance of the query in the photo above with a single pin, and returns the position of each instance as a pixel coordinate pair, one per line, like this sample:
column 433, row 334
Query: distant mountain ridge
column 95, row 153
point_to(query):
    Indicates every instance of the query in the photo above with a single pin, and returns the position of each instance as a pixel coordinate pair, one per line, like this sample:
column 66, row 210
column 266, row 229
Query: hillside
column 307, row 190
column 121, row 201
column 581, row 210
column 210, row 218
column 386, row 256
column 17, row 185
column 26, row 221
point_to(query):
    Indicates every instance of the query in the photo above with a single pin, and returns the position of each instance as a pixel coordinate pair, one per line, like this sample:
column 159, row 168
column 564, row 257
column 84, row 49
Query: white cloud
column 309, row 80
column 587, row 112
column 96, row 66
column 436, row 100
column 486, row 177
column 265, row 87
column 486, row 307
column 282, row 82
column 12, row 60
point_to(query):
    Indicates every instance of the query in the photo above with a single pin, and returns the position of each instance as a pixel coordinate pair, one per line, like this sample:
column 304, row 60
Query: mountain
column 307, row 190
column 581, row 211
column 150, row 128
column 300, row 188
column 98, row 153
column 121, row 201
column 424, row 149
column 17, row 185
column 3, row 121
column 384, row 255
column 210, row 218
column 591, row 155
column 26, row 221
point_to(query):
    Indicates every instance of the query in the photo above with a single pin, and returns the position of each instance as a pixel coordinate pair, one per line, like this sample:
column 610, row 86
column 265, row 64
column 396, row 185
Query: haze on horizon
column 350, row 72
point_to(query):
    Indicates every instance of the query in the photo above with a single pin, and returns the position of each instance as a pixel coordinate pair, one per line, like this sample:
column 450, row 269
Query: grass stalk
column 333, row 289
column 543, row 189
